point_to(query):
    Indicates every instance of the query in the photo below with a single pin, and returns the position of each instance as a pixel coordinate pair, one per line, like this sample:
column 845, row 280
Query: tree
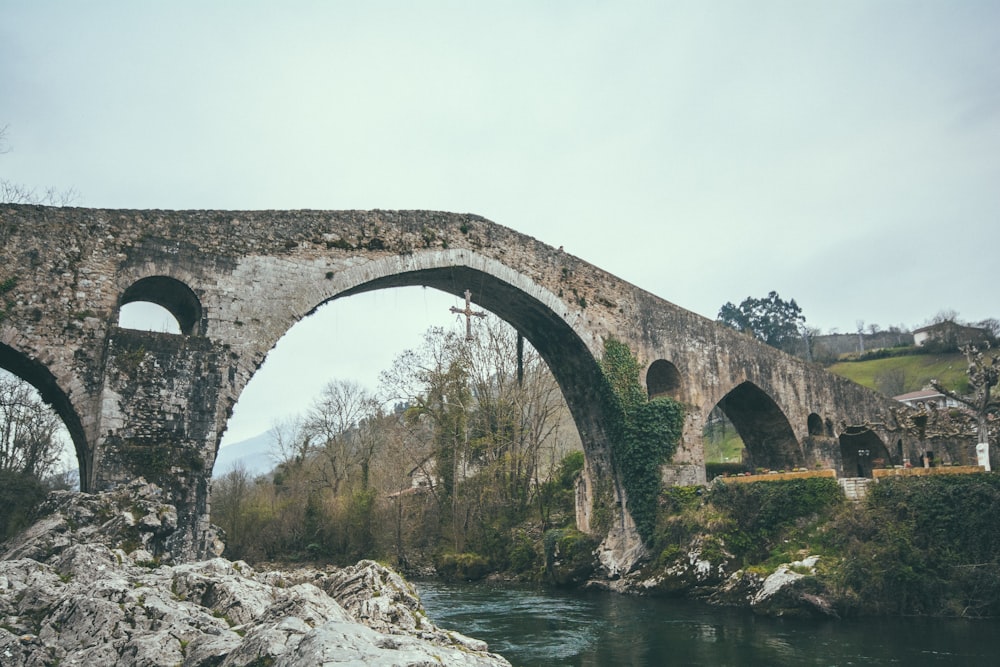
column 984, row 373
column 28, row 430
column 891, row 382
column 230, row 500
column 771, row 319
column 488, row 430
column 945, row 315
column 30, row 449
column 336, row 428
column 991, row 325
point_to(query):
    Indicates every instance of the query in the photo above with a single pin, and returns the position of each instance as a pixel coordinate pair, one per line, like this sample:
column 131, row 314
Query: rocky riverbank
column 90, row 584
column 791, row 590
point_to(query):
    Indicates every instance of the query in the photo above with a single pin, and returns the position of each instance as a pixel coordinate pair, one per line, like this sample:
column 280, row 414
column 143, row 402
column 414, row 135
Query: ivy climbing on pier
column 644, row 433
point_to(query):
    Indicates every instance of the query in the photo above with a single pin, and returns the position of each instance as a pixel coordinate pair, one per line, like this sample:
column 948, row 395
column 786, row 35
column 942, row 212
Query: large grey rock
column 789, row 592
column 89, row 584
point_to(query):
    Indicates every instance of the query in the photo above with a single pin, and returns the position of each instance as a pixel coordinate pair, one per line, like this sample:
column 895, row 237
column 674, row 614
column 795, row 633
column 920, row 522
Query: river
column 597, row 629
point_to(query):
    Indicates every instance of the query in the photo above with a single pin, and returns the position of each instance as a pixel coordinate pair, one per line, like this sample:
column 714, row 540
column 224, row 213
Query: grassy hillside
column 898, row 375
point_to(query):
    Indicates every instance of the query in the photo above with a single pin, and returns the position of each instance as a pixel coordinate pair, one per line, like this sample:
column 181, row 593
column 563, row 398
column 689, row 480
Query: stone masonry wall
column 63, row 272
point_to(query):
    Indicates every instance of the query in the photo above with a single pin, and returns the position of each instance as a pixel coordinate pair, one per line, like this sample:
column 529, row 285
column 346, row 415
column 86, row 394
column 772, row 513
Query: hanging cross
column 469, row 314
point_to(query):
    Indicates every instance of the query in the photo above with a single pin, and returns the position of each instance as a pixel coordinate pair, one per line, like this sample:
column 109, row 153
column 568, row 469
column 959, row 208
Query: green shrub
column 465, row 566
column 926, row 545
column 20, row 496
column 522, row 556
column 761, row 511
column 569, row 556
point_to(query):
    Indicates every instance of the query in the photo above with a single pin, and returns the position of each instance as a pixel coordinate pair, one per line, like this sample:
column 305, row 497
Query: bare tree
column 18, row 193
column 337, row 429
column 992, row 326
column 289, row 444
column 489, row 425
column 984, row 372
column 28, row 430
column 891, row 382
column 945, row 315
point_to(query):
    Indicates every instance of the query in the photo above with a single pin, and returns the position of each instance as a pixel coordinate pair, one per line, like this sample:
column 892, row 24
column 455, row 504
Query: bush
column 678, row 521
column 557, row 495
column 20, row 496
column 922, row 546
column 760, row 511
column 569, row 556
column 466, row 566
column 522, row 556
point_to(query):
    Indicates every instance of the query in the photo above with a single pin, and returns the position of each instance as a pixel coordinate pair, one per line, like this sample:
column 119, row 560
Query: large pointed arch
column 41, row 378
column 540, row 316
column 547, row 322
column 769, row 439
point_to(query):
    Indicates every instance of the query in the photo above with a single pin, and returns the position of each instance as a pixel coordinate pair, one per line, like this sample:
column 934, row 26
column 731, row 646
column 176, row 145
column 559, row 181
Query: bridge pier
column 158, row 419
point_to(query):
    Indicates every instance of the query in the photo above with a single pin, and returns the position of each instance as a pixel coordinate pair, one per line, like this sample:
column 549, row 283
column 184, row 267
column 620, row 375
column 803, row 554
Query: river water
column 597, row 629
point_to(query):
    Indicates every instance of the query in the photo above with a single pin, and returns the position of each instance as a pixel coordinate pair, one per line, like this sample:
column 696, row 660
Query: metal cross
column 469, row 314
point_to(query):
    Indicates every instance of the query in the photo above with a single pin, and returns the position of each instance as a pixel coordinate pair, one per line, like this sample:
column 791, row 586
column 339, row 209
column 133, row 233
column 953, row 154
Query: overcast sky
column 845, row 154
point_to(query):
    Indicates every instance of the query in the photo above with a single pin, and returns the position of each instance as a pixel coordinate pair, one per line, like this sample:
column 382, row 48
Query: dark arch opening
column 768, row 437
column 662, row 379
column 41, row 378
column 861, row 451
column 171, row 294
column 815, row 424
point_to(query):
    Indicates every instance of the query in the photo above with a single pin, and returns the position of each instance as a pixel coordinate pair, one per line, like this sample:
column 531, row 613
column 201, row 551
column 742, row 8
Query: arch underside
column 567, row 356
column 42, row 379
column 766, row 433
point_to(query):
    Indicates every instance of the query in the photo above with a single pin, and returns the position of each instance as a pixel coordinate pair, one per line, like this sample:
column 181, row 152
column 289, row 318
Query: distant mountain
column 254, row 453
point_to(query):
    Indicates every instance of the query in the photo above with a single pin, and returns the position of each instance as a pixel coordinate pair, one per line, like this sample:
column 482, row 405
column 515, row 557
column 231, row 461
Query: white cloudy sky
column 845, row 154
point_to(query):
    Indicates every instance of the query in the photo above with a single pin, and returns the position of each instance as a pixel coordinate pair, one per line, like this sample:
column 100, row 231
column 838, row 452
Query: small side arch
column 861, row 450
column 662, row 379
column 814, row 423
column 171, row 294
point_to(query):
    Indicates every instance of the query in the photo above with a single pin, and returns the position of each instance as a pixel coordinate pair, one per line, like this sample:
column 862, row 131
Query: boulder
column 91, row 583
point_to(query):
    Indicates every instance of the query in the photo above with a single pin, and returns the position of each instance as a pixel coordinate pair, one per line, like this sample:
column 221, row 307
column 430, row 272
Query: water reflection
column 531, row 627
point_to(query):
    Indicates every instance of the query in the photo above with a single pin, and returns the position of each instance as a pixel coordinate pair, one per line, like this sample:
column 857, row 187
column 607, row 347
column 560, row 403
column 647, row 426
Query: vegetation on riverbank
column 476, row 460
column 478, row 500
column 915, row 546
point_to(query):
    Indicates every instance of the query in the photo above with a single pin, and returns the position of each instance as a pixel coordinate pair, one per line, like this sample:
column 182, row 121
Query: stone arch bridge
column 156, row 404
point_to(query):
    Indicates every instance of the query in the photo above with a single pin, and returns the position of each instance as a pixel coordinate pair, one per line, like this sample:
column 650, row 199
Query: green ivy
column 644, row 434
column 603, row 501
